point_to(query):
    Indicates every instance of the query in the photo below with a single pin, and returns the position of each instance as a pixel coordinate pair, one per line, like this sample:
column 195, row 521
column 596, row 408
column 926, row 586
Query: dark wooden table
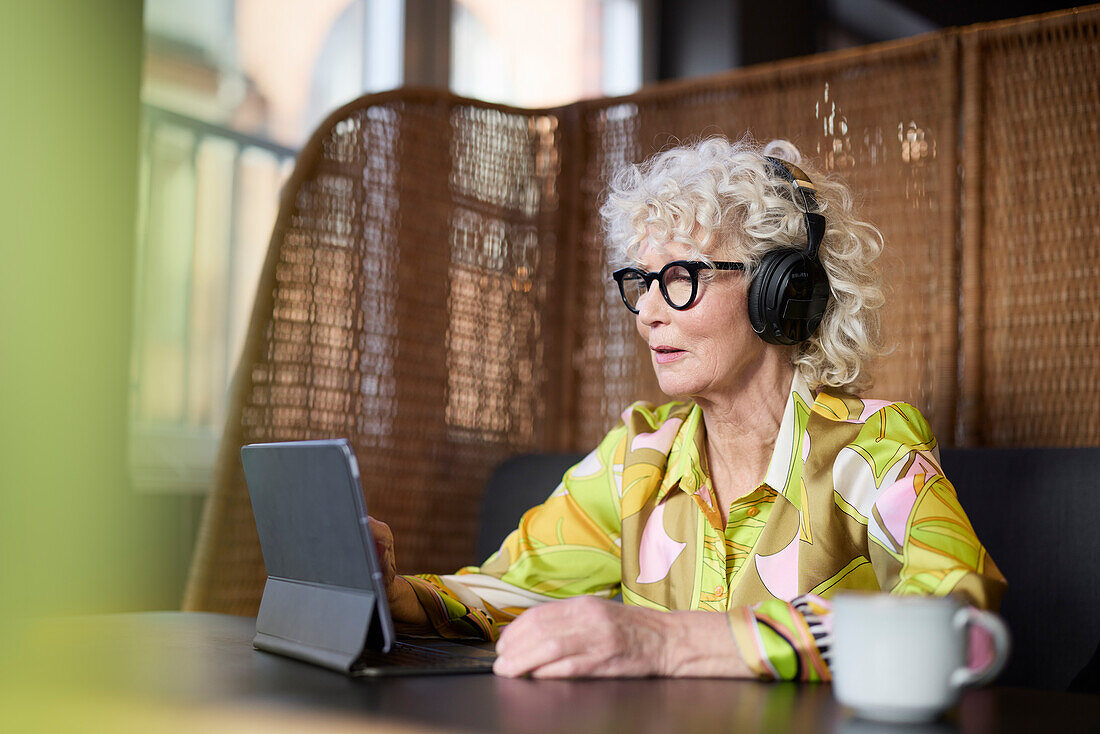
column 191, row 661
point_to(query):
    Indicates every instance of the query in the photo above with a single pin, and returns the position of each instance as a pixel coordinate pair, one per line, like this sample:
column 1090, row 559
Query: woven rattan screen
column 879, row 119
column 437, row 289
column 406, row 305
column 1031, row 342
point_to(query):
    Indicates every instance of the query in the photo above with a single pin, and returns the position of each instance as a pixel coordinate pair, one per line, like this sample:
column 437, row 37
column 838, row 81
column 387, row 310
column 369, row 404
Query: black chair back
column 516, row 486
column 1036, row 510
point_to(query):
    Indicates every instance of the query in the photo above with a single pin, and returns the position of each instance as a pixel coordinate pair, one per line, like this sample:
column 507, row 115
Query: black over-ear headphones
column 789, row 289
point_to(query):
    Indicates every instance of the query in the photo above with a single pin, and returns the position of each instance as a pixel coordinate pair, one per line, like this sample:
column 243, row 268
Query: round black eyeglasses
column 679, row 282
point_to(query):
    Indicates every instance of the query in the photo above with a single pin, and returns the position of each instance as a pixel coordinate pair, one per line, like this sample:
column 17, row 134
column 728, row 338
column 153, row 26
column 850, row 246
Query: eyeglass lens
column 677, row 282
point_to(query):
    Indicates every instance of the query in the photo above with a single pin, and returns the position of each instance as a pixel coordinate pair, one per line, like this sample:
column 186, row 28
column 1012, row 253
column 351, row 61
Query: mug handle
column 967, row 616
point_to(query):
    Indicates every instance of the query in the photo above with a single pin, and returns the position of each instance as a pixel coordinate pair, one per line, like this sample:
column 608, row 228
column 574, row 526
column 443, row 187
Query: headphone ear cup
column 767, row 295
column 756, row 306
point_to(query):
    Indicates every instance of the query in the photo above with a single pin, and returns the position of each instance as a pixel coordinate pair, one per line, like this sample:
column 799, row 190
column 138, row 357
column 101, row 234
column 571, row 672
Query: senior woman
column 728, row 517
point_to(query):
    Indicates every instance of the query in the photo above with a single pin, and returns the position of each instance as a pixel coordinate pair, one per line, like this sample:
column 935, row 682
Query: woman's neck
column 742, row 425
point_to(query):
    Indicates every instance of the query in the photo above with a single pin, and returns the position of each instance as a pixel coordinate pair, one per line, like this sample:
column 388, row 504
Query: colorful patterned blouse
column 854, row 498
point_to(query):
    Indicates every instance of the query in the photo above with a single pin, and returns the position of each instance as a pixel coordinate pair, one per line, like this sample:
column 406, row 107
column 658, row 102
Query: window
column 545, row 53
column 231, row 90
column 535, row 54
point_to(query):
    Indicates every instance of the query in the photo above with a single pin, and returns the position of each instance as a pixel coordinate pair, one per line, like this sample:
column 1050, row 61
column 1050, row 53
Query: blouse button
column 719, row 591
column 752, row 512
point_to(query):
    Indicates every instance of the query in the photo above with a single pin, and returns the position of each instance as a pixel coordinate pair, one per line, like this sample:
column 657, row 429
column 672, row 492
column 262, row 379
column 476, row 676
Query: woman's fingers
column 400, row 595
column 582, row 637
column 383, row 546
column 521, row 650
column 381, row 531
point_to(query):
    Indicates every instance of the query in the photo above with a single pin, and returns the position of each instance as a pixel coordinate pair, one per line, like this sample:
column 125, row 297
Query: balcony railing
column 208, row 201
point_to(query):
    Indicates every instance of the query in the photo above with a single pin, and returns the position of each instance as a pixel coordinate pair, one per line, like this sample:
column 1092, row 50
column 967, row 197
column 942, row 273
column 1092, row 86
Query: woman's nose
column 651, row 306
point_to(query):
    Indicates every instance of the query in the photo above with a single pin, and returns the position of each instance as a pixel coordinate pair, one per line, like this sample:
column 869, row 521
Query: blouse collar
column 687, row 460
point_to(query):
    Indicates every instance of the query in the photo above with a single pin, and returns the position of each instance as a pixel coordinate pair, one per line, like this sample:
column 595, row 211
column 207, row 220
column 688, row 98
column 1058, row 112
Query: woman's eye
column 679, row 275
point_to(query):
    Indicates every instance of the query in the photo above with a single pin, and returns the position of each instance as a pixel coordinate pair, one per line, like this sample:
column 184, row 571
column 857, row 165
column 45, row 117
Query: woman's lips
column 664, row 355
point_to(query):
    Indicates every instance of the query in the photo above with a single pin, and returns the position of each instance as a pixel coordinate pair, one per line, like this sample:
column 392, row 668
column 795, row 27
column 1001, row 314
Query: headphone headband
column 815, row 223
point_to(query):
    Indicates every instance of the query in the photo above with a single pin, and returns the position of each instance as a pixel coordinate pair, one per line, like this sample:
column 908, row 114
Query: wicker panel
column 881, row 121
column 404, row 306
column 1038, row 359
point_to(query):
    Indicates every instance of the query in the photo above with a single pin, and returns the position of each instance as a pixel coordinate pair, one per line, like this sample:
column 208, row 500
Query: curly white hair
column 718, row 198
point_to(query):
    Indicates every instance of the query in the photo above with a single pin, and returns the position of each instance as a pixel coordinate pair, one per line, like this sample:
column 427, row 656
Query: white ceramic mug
column 904, row 658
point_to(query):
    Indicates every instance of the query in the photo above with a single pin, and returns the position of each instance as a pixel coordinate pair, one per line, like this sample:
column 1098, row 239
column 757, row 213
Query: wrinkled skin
column 590, row 637
column 581, row 637
column 399, row 594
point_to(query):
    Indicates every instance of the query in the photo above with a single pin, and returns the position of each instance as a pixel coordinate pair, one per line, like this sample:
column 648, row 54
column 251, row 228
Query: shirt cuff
column 448, row 616
column 784, row 641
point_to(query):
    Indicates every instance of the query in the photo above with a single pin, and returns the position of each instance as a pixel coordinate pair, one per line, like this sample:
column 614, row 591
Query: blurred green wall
column 74, row 537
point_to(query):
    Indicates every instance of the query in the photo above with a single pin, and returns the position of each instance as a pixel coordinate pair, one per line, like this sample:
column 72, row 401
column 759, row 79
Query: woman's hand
column 590, row 637
column 404, row 606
